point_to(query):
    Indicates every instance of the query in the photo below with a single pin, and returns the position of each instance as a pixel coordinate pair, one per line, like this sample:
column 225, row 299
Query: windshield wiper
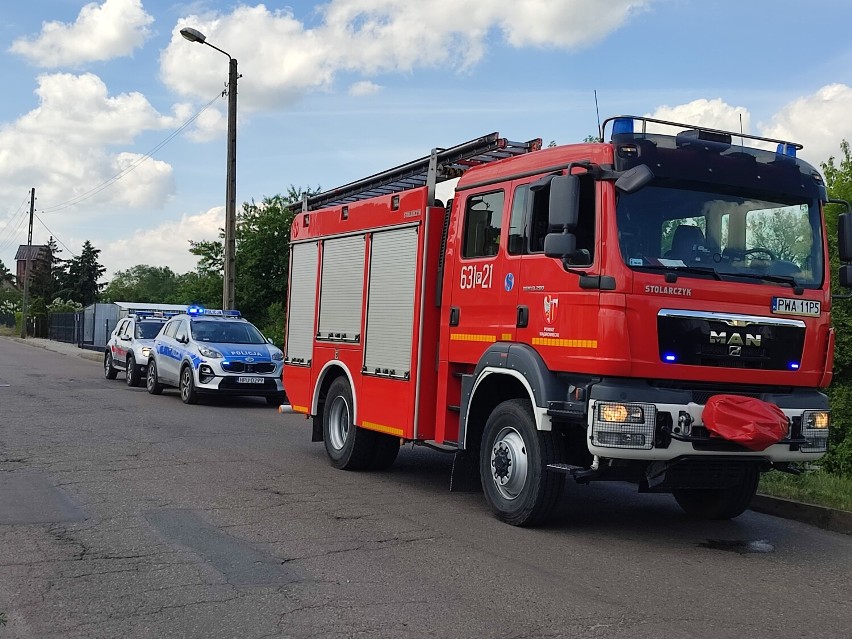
column 697, row 270
column 781, row 279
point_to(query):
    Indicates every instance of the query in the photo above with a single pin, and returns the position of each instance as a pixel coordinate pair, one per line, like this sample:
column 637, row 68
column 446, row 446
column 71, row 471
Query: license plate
column 250, row 380
column 787, row 306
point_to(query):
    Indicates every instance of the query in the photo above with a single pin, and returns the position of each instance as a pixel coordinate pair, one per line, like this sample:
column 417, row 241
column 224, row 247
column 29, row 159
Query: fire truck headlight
column 619, row 425
column 815, row 426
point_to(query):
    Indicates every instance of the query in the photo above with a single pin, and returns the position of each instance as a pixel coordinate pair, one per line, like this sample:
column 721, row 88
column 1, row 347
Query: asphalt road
column 127, row 515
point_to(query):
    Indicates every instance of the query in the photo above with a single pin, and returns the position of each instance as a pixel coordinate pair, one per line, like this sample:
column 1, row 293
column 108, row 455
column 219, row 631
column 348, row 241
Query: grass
column 812, row 487
column 8, row 331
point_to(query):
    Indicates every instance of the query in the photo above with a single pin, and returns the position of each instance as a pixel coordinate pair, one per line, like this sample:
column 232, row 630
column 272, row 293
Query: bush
column 838, row 460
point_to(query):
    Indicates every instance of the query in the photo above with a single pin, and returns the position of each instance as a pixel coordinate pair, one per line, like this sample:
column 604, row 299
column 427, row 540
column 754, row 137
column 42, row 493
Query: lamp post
column 193, row 35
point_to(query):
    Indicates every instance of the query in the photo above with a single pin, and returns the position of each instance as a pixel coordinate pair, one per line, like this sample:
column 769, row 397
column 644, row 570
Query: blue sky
column 334, row 91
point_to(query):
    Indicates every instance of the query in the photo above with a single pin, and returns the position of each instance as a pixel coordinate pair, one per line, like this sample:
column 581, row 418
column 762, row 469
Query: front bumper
column 210, row 379
column 662, row 436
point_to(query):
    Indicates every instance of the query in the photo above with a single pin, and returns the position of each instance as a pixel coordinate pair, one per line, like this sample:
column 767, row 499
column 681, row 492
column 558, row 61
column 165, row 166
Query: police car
column 206, row 351
column 130, row 344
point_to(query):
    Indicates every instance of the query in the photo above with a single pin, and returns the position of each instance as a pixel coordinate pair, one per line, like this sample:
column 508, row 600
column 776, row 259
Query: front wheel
column 132, row 373
column 513, row 466
column 348, row 447
column 724, row 503
column 110, row 371
column 188, row 394
column 152, row 381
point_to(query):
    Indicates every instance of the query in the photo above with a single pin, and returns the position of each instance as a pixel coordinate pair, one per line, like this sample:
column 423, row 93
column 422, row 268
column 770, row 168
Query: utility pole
column 28, row 258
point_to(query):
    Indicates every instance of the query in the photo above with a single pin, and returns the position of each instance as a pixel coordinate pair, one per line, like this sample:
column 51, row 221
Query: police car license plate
column 249, row 380
column 787, row 306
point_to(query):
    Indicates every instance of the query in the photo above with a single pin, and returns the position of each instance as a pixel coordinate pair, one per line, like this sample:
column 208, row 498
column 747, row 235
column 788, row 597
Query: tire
column 513, row 463
column 152, row 381
column 132, row 372
column 186, row 385
column 726, row 503
column 110, row 371
column 347, row 446
column 277, row 399
column 385, row 450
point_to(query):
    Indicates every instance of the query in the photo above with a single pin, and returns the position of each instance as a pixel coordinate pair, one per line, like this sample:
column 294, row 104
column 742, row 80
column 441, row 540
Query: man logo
column 734, row 339
column 735, row 351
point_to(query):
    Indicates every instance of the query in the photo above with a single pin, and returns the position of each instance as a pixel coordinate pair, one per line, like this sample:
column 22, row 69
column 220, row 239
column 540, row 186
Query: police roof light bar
column 213, row 312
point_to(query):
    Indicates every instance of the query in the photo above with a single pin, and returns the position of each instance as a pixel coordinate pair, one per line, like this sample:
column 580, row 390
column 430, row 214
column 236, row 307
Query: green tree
column 142, row 283
column 838, row 176
column 5, row 275
column 46, row 282
column 80, row 280
column 263, row 259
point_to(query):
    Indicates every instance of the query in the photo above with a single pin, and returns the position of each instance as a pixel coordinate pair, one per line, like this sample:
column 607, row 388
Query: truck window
column 515, row 244
column 482, row 225
column 539, row 226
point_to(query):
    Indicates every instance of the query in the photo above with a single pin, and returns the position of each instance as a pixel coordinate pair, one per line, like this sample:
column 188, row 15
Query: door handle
column 523, row 316
column 455, row 312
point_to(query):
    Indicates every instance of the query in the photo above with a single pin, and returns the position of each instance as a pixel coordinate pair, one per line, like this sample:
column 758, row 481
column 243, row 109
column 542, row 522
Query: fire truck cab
column 654, row 309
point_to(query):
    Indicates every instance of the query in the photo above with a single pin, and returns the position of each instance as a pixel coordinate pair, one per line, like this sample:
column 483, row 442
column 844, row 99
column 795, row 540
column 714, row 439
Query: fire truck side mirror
column 564, row 209
column 634, row 179
column 560, row 244
column 844, row 235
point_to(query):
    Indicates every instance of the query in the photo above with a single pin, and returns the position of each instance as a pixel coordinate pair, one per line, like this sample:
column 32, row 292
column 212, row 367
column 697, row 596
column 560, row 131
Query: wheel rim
column 152, row 375
column 185, row 381
column 509, row 463
column 107, row 365
column 131, row 370
column 339, row 422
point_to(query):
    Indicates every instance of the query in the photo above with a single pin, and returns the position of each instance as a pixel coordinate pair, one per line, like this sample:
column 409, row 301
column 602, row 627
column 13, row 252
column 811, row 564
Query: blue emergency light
column 200, row 310
column 622, row 125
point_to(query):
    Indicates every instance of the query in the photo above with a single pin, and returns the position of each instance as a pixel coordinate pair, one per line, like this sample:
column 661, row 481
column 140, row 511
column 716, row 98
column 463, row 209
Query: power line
column 12, row 235
column 115, row 178
column 53, row 235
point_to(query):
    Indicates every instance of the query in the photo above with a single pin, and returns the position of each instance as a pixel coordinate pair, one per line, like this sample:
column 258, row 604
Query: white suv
column 130, row 344
column 215, row 352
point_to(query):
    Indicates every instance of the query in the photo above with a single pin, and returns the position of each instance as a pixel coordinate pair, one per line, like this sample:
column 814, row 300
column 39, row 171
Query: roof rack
column 440, row 165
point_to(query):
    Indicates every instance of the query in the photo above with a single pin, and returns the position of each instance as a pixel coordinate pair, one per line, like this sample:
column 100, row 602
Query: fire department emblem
column 551, row 304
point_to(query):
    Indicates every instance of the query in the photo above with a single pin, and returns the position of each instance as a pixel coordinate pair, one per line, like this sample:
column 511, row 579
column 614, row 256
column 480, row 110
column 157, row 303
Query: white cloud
column 365, row 87
column 62, row 145
column 713, row 114
column 165, row 245
column 281, row 58
column 103, row 31
column 819, row 121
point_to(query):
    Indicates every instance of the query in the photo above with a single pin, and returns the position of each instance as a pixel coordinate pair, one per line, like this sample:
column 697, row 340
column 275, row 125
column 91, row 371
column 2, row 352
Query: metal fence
column 65, row 327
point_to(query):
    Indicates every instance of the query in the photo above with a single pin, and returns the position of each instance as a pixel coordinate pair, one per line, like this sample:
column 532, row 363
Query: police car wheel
column 152, row 382
column 348, row 446
column 110, row 371
column 132, row 372
column 188, row 394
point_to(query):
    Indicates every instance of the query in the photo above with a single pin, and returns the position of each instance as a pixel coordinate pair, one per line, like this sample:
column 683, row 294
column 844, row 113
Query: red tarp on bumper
column 747, row 421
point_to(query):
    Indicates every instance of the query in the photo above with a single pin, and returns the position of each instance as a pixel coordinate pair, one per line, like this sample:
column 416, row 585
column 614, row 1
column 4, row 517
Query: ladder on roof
column 440, row 165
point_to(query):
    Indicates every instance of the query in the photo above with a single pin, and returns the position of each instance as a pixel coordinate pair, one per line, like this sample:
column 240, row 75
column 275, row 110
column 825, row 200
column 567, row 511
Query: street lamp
column 194, row 35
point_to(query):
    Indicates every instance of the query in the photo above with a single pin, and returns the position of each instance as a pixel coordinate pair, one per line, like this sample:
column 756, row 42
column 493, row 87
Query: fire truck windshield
column 758, row 238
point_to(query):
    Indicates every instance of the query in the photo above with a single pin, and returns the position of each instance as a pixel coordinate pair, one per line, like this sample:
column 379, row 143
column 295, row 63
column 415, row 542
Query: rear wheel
column 348, row 447
column 132, row 371
column 188, row 394
column 513, row 466
column 152, row 381
column 725, row 503
column 110, row 371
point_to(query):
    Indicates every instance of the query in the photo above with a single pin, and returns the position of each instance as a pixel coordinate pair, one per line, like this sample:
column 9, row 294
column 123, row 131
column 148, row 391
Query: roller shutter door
column 303, row 295
column 390, row 310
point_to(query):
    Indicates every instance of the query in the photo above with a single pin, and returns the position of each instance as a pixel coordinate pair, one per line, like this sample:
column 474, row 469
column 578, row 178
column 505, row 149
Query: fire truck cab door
column 484, row 292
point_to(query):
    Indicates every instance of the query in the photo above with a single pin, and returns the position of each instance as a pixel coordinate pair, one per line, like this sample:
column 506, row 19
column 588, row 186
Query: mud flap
column 465, row 475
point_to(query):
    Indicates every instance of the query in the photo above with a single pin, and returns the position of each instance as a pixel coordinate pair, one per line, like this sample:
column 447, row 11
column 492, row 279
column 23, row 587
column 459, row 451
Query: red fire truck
column 654, row 309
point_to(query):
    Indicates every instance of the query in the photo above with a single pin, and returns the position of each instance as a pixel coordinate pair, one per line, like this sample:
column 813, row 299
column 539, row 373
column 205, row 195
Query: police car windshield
column 225, row 332
column 148, row 330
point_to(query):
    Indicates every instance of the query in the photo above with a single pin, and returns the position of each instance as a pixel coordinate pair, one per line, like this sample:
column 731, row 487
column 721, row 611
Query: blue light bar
column 670, row 357
column 198, row 310
column 622, row 125
column 794, row 366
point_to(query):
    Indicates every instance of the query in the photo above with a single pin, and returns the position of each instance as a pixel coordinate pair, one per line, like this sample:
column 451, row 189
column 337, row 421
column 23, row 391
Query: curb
column 66, row 349
column 838, row 521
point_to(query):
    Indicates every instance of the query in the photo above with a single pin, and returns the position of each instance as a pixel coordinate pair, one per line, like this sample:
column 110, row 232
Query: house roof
column 34, row 252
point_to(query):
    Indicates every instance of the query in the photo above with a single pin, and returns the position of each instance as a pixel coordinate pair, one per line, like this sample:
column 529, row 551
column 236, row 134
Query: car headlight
column 277, row 356
column 146, row 352
column 212, row 353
